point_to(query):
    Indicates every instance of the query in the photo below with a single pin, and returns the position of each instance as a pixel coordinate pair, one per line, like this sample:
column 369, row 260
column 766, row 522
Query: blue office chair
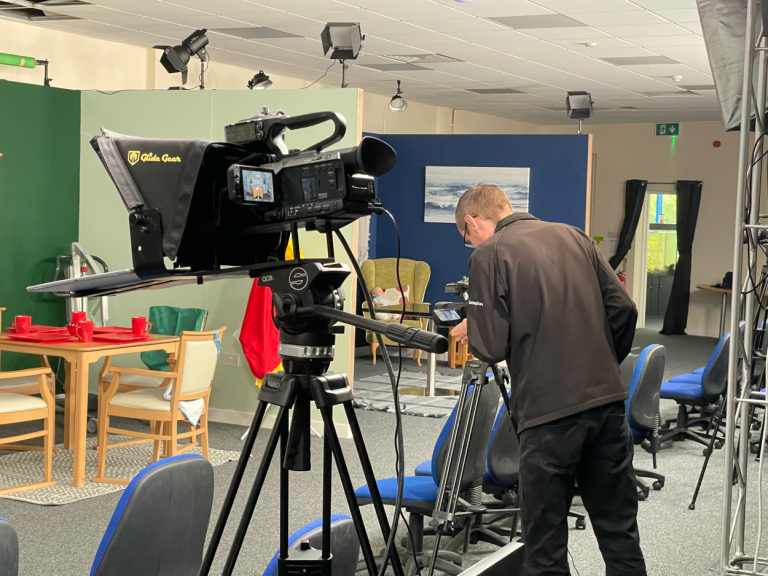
column 160, row 523
column 9, row 549
column 345, row 547
column 642, row 407
column 420, row 492
column 699, row 390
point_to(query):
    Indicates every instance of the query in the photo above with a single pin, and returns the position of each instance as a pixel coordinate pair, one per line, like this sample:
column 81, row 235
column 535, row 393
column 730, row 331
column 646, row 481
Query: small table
column 416, row 310
column 79, row 356
column 723, row 306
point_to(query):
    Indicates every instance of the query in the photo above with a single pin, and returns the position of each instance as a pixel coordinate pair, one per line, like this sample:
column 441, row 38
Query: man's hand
column 459, row 332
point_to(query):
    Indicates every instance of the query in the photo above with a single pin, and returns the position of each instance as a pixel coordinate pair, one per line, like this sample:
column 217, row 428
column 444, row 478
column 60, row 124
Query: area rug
column 375, row 393
column 27, row 467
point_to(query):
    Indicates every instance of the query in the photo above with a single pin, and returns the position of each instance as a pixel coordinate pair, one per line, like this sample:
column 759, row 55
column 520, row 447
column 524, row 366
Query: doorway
column 660, row 252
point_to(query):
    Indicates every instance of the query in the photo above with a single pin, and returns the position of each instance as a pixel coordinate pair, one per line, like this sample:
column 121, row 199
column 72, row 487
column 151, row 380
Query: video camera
column 452, row 313
column 229, row 208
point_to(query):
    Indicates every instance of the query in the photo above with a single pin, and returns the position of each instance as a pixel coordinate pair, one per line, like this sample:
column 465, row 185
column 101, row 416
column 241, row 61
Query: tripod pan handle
column 416, row 338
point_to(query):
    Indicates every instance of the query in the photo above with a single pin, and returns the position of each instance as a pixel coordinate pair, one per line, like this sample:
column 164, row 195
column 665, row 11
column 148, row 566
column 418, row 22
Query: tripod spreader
column 406, row 335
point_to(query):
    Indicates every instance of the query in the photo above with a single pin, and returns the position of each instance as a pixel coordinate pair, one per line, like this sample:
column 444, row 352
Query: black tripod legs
column 226, row 508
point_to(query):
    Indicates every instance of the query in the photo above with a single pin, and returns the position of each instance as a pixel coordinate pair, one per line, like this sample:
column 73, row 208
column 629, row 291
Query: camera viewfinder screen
column 309, row 187
column 257, row 186
column 446, row 315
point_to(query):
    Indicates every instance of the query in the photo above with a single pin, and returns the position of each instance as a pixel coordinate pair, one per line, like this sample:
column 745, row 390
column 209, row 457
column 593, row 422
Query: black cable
column 574, row 563
column 321, row 77
column 399, row 446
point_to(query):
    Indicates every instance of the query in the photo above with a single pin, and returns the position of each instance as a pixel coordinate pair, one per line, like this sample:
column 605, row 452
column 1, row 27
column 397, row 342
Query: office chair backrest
column 503, row 460
column 643, row 403
column 714, row 379
column 345, row 547
column 160, row 522
column 9, row 549
column 478, row 444
column 627, row 368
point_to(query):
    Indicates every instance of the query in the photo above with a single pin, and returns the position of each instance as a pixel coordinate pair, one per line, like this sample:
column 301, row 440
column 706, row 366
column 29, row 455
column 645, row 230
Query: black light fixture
column 259, row 82
column 176, row 58
column 342, row 41
column 398, row 103
column 578, row 105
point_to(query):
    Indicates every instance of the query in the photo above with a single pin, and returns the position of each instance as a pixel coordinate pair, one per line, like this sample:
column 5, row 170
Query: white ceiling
column 496, row 49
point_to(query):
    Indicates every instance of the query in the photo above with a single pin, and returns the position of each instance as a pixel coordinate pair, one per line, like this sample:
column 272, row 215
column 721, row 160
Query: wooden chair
column 458, row 353
column 23, row 407
column 195, row 368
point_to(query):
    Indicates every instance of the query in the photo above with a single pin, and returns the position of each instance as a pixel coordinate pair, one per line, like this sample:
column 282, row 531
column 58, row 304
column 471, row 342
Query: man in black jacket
column 543, row 298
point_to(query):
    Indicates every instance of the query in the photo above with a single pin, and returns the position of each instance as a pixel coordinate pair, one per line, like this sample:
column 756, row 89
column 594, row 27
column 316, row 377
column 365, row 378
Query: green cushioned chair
column 171, row 321
column 382, row 272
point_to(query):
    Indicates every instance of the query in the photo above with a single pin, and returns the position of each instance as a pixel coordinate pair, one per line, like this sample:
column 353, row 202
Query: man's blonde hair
column 485, row 200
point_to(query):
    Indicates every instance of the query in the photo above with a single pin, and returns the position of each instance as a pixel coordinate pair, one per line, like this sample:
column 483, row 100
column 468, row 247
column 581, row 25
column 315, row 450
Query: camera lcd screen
column 257, row 186
column 447, row 315
column 309, row 187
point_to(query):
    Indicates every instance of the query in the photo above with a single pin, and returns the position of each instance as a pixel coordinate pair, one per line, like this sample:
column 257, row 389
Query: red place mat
column 38, row 328
column 120, row 337
column 43, row 338
column 111, row 329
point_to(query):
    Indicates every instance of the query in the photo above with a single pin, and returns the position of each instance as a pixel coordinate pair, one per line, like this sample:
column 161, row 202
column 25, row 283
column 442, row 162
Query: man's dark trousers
column 594, row 449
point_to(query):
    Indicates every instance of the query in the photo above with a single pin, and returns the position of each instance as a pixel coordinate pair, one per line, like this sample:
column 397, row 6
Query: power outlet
column 230, row 359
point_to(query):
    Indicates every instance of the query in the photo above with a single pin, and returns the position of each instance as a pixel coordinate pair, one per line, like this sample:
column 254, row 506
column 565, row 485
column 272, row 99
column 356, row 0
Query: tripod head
column 309, row 300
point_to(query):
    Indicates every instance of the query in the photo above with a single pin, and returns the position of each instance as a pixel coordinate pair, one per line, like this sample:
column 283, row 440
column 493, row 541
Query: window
column 662, row 235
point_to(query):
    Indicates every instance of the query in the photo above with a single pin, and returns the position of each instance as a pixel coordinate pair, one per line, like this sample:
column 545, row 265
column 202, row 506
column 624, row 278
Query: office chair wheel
column 581, row 524
column 706, row 452
column 93, row 426
column 719, row 444
column 658, row 485
column 755, row 425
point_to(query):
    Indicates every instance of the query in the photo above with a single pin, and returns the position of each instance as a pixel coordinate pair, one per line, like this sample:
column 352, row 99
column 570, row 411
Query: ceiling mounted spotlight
column 259, row 82
column 342, row 41
column 578, row 105
column 590, row 44
column 398, row 103
column 176, row 58
column 677, row 78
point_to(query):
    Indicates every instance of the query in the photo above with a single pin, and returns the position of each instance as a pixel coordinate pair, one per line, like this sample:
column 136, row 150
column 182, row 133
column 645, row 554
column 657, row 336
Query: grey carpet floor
column 62, row 541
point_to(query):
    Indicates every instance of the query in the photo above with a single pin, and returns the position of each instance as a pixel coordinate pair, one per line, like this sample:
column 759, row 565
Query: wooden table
column 723, row 306
column 78, row 357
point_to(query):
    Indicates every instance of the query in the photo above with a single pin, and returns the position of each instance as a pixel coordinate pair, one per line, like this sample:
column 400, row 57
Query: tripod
column 308, row 299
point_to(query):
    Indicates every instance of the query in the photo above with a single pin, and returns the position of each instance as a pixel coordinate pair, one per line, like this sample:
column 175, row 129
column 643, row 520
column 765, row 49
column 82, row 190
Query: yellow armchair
column 382, row 272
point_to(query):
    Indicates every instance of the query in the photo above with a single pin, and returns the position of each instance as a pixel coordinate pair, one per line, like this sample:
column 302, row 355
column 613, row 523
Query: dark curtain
column 688, row 200
column 634, row 195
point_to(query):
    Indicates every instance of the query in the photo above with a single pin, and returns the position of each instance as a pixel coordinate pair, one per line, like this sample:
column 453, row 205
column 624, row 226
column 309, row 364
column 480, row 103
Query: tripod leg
column 349, row 491
column 370, row 479
column 284, row 490
column 718, row 417
column 253, row 497
column 234, row 486
column 327, row 464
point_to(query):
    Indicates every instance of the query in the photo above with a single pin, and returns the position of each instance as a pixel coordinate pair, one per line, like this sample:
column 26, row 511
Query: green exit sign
column 668, row 129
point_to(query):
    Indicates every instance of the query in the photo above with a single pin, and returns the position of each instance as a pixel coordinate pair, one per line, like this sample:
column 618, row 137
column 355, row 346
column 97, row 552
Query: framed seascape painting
column 445, row 185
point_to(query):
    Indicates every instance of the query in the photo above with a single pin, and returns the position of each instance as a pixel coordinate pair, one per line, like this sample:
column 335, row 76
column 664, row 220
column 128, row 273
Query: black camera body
column 452, row 313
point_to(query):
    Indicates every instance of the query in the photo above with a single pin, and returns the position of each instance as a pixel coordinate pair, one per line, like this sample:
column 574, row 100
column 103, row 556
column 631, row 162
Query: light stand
column 344, row 67
column 44, row 64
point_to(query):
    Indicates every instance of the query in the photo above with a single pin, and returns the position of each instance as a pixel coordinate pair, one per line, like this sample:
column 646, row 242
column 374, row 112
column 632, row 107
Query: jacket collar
column 507, row 220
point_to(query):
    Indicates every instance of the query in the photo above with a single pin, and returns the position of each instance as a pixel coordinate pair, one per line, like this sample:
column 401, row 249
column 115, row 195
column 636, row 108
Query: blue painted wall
column 558, row 185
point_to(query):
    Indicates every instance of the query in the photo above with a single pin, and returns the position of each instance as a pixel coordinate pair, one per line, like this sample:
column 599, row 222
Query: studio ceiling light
column 578, row 105
column 260, row 81
column 342, row 41
column 398, row 103
column 176, row 58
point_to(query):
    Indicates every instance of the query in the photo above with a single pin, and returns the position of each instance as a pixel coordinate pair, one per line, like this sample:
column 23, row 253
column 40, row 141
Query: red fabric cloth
column 259, row 336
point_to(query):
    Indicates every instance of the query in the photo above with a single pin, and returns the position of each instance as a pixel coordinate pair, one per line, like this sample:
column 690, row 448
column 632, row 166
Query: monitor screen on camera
column 257, row 186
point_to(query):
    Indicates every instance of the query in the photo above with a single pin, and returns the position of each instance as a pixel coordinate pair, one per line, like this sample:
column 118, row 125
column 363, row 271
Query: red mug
column 140, row 325
column 22, row 324
column 71, row 328
column 78, row 317
column 84, row 331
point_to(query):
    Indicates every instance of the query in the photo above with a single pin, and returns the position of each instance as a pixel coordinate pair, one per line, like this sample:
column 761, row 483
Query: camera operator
column 543, row 298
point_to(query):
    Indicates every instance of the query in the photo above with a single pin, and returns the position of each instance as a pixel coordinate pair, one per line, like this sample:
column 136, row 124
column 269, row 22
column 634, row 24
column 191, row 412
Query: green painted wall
column 104, row 221
column 39, row 198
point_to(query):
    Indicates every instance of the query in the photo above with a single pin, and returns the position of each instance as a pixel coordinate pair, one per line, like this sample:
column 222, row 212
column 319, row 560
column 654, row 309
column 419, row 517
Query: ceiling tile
column 411, row 10
column 463, row 25
column 255, row 32
column 490, row 36
column 362, row 16
column 694, row 27
column 663, row 29
column 633, row 17
column 583, row 34
column 391, row 27
column 666, row 4
column 651, row 41
column 681, row 15
column 545, row 21
column 488, row 8
column 585, row 6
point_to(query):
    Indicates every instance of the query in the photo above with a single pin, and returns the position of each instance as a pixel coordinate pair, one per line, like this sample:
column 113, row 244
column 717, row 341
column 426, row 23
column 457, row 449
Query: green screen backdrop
column 39, row 198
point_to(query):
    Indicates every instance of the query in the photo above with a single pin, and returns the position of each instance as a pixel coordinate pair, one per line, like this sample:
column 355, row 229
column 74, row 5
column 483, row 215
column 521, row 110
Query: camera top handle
column 274, row 128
